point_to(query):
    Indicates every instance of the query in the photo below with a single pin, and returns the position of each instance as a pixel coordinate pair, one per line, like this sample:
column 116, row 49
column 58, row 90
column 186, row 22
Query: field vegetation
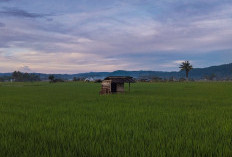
column 154, row 119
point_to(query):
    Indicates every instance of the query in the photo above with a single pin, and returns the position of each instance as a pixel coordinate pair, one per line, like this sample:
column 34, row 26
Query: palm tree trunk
column 187, row 75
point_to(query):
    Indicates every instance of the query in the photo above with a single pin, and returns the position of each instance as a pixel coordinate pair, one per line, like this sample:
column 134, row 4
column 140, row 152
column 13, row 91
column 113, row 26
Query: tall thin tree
column 186, row 66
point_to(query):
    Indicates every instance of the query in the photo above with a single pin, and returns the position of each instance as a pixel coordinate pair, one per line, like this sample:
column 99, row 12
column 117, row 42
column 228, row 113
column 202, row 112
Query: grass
column 154, row 119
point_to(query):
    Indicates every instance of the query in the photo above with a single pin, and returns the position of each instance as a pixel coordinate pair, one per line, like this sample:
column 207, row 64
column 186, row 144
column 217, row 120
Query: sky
column 75, row 36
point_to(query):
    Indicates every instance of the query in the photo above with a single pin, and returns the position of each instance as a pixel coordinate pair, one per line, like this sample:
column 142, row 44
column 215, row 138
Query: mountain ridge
column 223, row 71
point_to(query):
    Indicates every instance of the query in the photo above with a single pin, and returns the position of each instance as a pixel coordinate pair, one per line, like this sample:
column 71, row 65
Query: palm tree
column 51, row 78
column 186, row 66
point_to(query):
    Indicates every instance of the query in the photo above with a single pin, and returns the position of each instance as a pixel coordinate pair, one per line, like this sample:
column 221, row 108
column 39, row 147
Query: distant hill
column 220, row 72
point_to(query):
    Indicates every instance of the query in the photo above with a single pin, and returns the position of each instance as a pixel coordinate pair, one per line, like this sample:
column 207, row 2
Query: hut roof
column 120, row 79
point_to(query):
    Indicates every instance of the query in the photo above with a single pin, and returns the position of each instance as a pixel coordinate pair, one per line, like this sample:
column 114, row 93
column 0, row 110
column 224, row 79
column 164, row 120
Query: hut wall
column 106, row 87
column 120, row 87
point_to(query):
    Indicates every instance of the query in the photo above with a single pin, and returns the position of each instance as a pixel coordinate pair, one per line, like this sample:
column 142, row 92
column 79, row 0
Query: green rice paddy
column 154, row 119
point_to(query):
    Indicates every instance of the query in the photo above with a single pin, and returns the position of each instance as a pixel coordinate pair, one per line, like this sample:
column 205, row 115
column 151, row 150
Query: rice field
column 154, row 119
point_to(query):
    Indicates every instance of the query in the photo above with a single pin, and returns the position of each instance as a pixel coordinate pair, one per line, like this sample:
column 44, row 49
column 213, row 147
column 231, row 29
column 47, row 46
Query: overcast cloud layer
column 69, row 36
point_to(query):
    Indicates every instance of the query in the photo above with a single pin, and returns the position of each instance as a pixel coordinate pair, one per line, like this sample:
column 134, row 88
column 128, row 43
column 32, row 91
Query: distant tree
column 24, row 77
column 171, row 79
column 182, row 79
column 5, row 78
column 51, row 78
column 156, row 79
column 212, row 76
column 17, row 76
column 75, row 79
column 186, row 66
column 98, row 81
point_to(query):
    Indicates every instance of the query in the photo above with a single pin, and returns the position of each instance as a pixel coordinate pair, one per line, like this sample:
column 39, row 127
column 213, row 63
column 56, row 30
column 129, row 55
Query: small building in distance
column 115, row 84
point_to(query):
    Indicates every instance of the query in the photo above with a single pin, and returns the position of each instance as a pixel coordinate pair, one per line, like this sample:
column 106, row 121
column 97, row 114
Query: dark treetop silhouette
column 186, row 66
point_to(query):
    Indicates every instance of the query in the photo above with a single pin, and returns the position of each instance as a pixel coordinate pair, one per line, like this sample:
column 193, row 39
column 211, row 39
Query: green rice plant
column 154, row 119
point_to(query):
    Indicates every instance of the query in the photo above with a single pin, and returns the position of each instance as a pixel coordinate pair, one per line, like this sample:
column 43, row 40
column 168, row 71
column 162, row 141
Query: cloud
column 178, row 61
column 149, row 35
column 25, row 68
column 108, row 31
column 2, row 24
column 5, row 0
column 20, row 13
column 32, row 61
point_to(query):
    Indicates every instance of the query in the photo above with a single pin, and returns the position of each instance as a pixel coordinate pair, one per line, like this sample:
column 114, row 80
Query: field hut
column 115, row 84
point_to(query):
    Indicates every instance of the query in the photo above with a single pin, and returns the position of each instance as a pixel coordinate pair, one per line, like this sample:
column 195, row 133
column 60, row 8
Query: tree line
column 18, row 76
column 24, row 77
